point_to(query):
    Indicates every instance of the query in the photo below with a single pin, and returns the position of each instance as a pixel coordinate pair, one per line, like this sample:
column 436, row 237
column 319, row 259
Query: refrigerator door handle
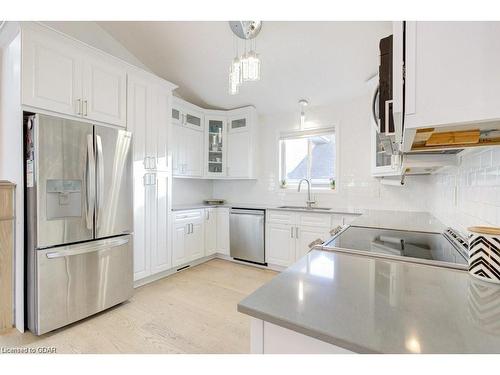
column 100, row 180
column 90, row 179
column 87, row 248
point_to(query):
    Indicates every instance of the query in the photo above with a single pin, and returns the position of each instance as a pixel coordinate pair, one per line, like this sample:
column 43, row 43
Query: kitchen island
column 329, row 302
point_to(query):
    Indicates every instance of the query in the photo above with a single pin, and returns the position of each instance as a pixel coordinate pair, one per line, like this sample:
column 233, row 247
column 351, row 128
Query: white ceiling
column 320, row 61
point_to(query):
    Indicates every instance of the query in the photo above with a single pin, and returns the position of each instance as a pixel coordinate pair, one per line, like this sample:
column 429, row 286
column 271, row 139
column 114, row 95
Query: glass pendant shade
column 250, row 67
column 235, row 76
column 253, row 66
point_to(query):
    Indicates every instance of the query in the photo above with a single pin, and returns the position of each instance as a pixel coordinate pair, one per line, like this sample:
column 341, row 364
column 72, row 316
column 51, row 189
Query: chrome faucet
column 309, row 201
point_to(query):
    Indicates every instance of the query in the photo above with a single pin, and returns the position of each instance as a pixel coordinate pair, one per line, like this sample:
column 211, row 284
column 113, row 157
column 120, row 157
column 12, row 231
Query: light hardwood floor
column 193, row 311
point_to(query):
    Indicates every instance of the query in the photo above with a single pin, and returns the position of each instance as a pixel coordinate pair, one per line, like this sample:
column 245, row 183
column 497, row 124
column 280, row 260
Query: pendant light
column 303, row 104
column 245, row 68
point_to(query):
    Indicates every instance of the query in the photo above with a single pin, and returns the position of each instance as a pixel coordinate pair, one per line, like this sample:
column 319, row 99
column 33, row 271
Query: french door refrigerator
column 79, row 220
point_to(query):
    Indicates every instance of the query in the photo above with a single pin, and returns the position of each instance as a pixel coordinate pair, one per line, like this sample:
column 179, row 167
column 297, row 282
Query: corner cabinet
column 64, row 76
column 213, row 144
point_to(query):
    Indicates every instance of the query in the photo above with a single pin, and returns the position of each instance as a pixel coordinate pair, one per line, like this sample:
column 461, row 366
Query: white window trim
column 292, row 187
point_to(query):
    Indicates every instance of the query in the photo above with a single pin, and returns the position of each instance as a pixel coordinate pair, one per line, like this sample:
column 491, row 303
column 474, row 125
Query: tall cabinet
column 149, row 104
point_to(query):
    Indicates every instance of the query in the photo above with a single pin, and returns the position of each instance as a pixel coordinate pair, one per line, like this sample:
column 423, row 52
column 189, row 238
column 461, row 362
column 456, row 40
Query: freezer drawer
column 246, row 231
column 76, row 281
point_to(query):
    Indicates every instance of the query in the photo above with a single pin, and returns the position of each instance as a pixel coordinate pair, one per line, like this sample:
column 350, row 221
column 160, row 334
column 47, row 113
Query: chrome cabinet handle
column 145, row 162
column 79, row 107
column 291, row 232
column 192, row 228
column 85, row 113
column 297, row 232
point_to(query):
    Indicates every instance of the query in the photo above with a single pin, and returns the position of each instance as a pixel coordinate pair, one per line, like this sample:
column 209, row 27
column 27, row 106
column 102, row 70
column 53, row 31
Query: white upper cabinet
column 187, row 145
column 52, row 73
column 215, row 135
column 104, row 91
column 64, row 76
column 241, row 139
column 452, row 73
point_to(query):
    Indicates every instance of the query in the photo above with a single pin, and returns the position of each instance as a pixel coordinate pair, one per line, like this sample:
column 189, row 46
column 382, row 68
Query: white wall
column 94, row 35
column 469, row 194
column 357, row 189
column 190, row 191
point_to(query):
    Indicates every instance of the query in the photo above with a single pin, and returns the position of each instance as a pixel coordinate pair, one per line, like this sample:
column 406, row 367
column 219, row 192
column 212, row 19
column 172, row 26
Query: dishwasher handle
column 242, row 211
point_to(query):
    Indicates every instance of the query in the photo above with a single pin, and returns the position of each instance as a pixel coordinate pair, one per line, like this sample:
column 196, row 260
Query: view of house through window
column 308, row 154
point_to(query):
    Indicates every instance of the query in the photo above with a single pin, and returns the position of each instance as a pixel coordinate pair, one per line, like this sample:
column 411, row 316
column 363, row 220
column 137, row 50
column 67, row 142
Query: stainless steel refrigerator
column 79, row 220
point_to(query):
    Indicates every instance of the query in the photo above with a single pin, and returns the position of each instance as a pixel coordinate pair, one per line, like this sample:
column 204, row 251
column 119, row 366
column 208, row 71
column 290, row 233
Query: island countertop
column 370, row 305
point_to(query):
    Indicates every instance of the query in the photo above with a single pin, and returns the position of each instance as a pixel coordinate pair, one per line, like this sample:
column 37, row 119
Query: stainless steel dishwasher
column 247, row 235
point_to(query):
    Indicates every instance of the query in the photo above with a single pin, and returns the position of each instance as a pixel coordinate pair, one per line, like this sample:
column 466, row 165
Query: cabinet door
column 161, row 259
column 193, row 149
column 104, row 91
column 178, row 146
column 160, row 108
column 210, row 231
column 179, row 249
column 195, row 241
column 141, row 250
column 138, row 115
column 52, row 74
column 215, row 132
column 280, row 244
column 305, row 235
column 452, row 73
column 223, row 231
column 238, row 154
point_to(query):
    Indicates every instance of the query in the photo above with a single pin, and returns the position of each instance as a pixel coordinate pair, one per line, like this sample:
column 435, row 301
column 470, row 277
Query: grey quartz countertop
column 399, row 220
column 372, row 305
column 332, row 210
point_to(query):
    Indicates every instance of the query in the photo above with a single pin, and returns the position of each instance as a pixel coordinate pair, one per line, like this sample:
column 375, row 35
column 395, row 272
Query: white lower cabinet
column 289, row 234
column 280, row 246
column 210, row 231
column 151, row 216
column 223, row 230
column 188, row 240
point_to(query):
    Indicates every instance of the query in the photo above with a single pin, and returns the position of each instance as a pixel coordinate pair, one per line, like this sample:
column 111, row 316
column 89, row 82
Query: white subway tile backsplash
column 486, row 159
column 477, row 181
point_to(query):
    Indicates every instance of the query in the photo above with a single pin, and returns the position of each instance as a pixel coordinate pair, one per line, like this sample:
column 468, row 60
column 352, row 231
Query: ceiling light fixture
column 244, row 68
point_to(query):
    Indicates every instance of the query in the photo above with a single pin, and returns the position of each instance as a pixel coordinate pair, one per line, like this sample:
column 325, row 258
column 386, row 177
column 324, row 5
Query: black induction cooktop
column 419, row 247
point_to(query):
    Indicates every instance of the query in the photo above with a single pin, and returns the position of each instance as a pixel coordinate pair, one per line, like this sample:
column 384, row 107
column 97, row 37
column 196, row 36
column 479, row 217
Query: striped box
column 484, row 253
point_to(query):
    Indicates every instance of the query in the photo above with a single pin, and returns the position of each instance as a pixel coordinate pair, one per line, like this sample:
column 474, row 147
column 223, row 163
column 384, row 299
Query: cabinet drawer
column 280, row 217
column 189, row 215
column 316, row 220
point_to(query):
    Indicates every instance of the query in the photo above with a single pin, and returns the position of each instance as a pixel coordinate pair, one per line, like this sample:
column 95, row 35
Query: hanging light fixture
column 247, row 67
column 303, row 104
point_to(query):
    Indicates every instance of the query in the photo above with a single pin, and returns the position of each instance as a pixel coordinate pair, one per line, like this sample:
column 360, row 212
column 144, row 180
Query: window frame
column 292, row 184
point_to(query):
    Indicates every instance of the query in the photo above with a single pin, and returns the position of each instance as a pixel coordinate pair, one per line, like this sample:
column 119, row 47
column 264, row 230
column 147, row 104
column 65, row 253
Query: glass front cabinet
column 215, row 135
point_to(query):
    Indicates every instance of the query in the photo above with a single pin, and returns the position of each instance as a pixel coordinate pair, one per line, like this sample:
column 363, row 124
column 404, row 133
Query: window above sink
column 309, row 154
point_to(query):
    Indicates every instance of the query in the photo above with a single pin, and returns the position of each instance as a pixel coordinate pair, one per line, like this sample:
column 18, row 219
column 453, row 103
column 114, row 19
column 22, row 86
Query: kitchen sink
column 306, row 208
